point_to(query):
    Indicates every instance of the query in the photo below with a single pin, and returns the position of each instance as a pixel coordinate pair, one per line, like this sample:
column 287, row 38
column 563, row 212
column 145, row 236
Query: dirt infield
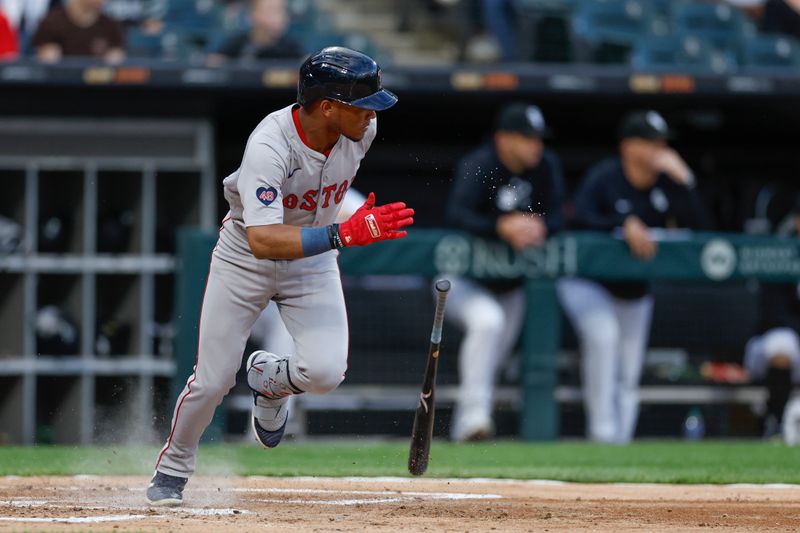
column 392, row 504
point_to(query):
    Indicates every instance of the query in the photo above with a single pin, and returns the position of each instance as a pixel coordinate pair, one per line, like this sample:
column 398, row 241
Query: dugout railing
column 683, row 257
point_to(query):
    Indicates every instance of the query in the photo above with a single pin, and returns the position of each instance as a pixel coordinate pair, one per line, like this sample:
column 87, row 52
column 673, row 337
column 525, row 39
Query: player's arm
column 687, row 206
column 276, row 241
column 533, row 227
column 116, row 45
column 463, row 206
column 369, row 224
column 590, row 213
column 45, row 41
column 689, row 209
column 115, row 56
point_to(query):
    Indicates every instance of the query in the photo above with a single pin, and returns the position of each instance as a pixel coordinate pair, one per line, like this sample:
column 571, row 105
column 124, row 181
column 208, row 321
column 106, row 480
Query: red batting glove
column 372, row 224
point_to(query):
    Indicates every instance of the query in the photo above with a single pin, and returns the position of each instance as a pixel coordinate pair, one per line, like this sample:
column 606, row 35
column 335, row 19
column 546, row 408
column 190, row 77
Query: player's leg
column 590, row 309
column 481, row 316
column 634, row 322
column 781, row 351
column 311, row 304
column 233, row 299
column 270, row 333
column 513, row 304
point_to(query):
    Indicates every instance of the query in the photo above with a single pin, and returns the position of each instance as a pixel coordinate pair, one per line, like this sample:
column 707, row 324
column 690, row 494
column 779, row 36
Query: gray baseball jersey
column 283, row 181
column 280, row 181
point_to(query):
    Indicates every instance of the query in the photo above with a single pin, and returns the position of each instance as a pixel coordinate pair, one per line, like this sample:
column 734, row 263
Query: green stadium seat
column 139, row 44
column 313, row 40
column 194, row 15
column 546, row 6
column 675, row 52
column 544, row 29
column 605, row 31
column 771, row 52
column 720, row 24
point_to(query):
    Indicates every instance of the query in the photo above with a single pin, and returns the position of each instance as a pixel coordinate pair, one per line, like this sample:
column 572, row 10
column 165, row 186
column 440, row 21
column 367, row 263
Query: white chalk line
column 370, row 501
column 377, row 497
column 164, row 512
column 23, row 503
column 395, row 496
column 278, row 490
column 395, row 493
column 75, row 519
column 179, row 510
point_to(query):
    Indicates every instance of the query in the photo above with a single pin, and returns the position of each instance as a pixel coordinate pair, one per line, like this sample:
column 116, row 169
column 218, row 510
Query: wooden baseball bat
column 422, row 432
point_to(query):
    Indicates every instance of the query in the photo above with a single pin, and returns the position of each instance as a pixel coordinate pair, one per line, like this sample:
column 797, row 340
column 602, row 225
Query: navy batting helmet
column 344, row 75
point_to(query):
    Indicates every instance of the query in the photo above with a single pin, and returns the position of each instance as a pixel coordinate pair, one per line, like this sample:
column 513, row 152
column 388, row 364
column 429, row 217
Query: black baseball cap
column 522, row 118
column 648, row 125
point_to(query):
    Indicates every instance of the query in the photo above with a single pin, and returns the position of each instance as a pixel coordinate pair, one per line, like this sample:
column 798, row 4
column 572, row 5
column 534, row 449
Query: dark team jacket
column 483, row 190
column 605, row 198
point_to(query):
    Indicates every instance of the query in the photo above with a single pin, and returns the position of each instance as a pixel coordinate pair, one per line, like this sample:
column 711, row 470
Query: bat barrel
column 442, row 289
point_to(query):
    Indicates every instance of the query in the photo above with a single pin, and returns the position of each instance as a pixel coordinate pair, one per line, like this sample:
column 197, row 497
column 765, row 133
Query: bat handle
column 442, row 289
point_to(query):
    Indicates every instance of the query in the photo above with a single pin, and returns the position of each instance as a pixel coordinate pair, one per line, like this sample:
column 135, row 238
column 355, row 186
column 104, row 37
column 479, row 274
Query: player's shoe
column 165, row 490
column 269, row 415
column 472, row 427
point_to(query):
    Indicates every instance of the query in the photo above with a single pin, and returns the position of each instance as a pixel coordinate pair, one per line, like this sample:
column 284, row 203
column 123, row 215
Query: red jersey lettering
column 340, row 193
column 290, row 202
column 327, row 191
column 310, row 202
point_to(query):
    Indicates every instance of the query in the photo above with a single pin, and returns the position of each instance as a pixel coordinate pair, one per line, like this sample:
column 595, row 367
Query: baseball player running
column 279, row 242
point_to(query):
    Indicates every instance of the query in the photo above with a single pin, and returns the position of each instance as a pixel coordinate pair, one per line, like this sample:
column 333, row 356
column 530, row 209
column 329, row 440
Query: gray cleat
column 269, row 414
column 165, row 490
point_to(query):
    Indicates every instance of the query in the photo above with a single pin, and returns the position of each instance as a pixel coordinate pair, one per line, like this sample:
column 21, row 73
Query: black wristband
column 334, row 237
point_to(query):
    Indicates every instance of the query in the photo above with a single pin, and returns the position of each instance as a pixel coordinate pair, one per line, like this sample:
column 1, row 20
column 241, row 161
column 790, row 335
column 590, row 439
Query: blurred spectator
column 509, row 189
column 25, row 15
column 147, row 15
column 647, row 186
column 79, row 28
column 773, row 357
column 235, row 15
column 782, row 16
column 498, row 18
column 266, row 39
column 9, row 44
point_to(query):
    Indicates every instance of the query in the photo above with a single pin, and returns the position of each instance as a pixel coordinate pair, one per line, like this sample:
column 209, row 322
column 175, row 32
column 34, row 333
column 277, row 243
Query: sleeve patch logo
column 266, row 195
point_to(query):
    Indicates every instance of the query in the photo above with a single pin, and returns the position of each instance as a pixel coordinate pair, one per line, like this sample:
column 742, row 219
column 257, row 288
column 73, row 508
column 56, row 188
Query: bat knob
column 443, row 285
